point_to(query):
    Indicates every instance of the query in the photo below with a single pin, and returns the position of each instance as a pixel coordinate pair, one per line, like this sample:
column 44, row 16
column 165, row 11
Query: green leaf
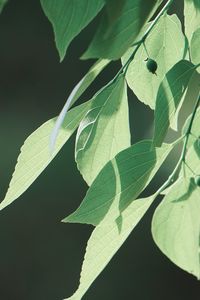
column 68, row 18
column 196, row 3
column 166, row 45
column 186, row 102
column 190, row 166
column 192, row 17
column 194, row 48
column 169, row 95
column 2, row 4
column 113, row 41
column 122, row 179
column 89, row 77
column 176, row 226
column 113, row 10
column 104, row 131
column 195, row 130
column 35, row 153
column 192, row 160
column 77, row 91
column 105, row 241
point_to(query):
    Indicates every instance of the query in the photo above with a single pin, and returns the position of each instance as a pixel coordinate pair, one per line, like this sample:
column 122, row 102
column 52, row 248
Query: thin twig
column 142, row 40
column 123, row 69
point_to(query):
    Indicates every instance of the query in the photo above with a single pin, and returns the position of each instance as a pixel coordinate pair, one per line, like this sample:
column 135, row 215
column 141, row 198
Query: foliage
column 160, row 63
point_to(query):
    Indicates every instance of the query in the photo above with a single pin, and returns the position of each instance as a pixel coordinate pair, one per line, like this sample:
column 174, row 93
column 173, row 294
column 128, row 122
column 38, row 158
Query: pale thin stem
column 122, row 70
column 145, row 48
column 142, row 40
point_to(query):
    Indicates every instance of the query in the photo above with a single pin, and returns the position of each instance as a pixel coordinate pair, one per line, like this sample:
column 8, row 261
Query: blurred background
column 40, row 257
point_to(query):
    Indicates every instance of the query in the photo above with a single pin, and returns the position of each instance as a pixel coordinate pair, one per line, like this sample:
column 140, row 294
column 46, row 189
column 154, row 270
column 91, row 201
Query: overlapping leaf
column 194, row 48
column 77, row 91
column 104, row 131
column 113, row 10
column 195, row 130
column 166, row 45
column 186, row 102
column 35, row 153
column 196, row 3
column 120, row 182
column 113, row 41
column 176, row 226
column 190, row 166
column 169, row 96
column 192, row 17
column 68, row 18
column 89, row 77
column 192, row 160
column 105, row 241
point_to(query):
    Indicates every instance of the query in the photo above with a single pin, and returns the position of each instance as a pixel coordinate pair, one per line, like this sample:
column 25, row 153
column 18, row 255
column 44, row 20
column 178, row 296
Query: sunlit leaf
column 169, row 96
column 186, row 103
column 68, row 18
column 104, row 131
column 77, row 91
column 190, row 167
column 105, row 241
column 192, row 17
column 195, row 130
column 166, row 45
column 35, row 153
column 196, row 3
column 120, row 182
column 113, row 41
column 192, row 160
column 176, row 226
column 194, row 48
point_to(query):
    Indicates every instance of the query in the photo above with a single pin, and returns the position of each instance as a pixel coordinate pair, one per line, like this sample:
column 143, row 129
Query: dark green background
column 40, row 257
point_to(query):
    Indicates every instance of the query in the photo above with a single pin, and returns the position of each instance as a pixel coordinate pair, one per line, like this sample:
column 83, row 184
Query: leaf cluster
column 144, row 37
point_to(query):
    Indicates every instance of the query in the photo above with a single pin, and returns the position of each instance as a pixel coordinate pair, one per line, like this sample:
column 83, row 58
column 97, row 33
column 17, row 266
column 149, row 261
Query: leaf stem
column 145, row 48
column 142, row 40
column 163, row 10
column 123, row 69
